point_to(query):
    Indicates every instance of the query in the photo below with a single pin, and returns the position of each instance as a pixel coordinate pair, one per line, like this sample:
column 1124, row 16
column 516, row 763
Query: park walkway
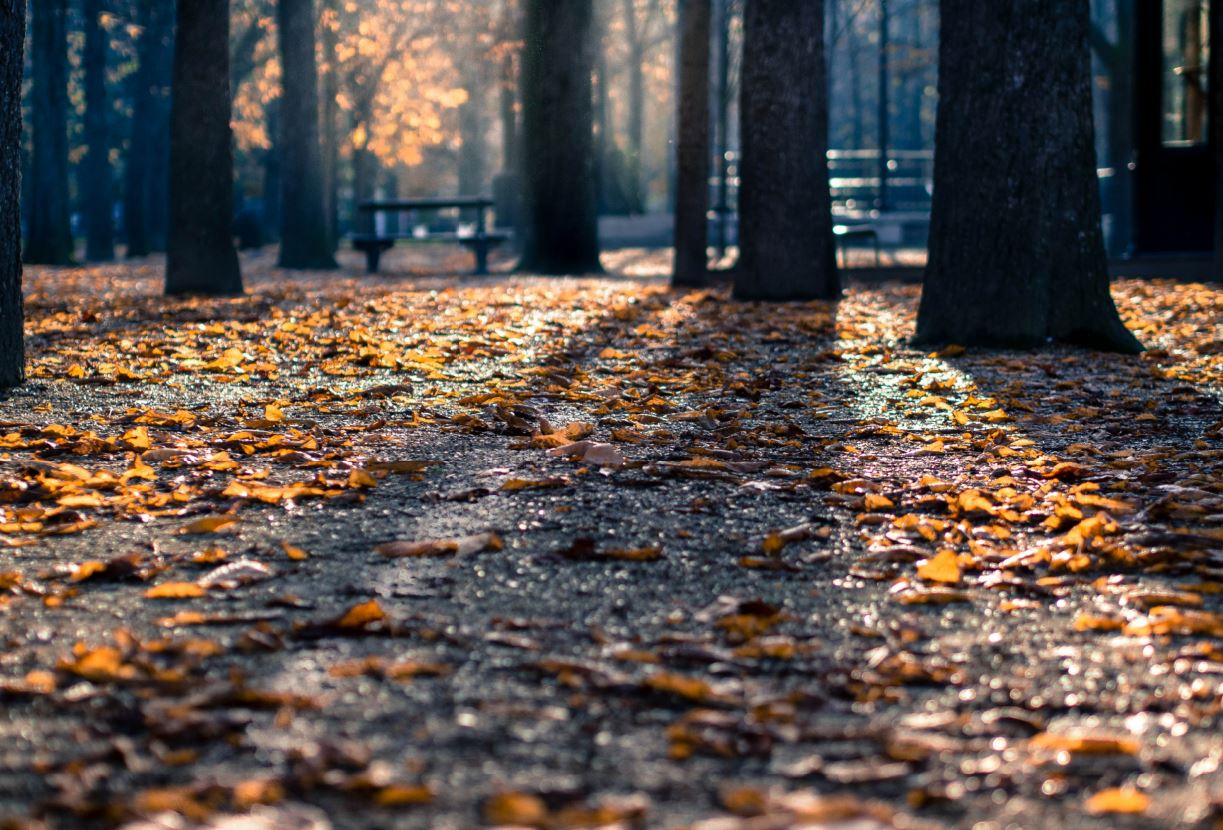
column 437, row 552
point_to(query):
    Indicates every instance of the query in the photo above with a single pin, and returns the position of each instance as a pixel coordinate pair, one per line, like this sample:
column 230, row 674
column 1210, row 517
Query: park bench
column 843, row 234
column 480, row 240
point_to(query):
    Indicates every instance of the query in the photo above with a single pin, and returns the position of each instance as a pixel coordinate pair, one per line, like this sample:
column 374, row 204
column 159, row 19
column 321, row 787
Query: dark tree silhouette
column 304, row 239
column 49, row 240
column 1216, row 129
column 692, row 187
column 562, row 231
column 12, row 48
column 1016, row 253
column 145, row 172
column 159, row 145
column 201, row 258
column 329, row 137
column 785, row 211
column 97, row 177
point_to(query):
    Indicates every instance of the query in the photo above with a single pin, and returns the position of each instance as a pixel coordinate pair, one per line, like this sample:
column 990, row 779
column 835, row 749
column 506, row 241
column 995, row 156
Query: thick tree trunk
column 161, row 35
column 330, row 127
column 635, row 128
column 1121, row 130
column 1216, row 128
column 201, row 257
column 272, row 189
column 304, row 242
column 12, row 47
column 97, row 177
column 562, row 231
column 785, row 214
column 364, row 171
column 1016, row 253
column 472, row 134
column 136, row 164
column 509, row 115
column 50, row 234
column 692, row 186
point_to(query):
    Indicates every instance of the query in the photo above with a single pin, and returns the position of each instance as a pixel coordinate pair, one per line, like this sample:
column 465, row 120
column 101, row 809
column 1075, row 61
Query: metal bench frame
column 480, row 243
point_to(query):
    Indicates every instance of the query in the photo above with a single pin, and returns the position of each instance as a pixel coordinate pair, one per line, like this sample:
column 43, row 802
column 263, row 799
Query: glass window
column 1186, row 48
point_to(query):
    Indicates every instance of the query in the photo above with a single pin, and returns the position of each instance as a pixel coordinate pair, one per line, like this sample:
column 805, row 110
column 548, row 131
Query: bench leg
column 373, row 256
column 481, row 259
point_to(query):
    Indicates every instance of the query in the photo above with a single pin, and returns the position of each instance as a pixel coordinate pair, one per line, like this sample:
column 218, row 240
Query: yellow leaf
column 361, row 479
column 515, row 484
column 175, row 590
column 942, row 567
column 515, row 809
column 1126, row 800
column 1085, row 744
column 361, row 615
column 458, row 546
column 87, row 569
column 294, row 553
column 399, row 795
column 208, row 524
column 876, row 501
column 274, row 413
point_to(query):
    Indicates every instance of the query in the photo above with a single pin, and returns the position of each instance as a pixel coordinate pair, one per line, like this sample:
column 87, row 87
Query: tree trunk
column 858, row 107
column 136, row 164
column 562, row 233
column 785, row 214
column 330, row 129
column 1121, row 130
column 471, row 132
column 97, row 180
column 50, row 234
column 12, row 46
column 1016, row 253
column 271, row 176
column 636, row 107
column 604, row 141
column 161, row 34
column 692, row 196
column 509, row 115
column 1216, row 128
column 304, row 242
column 201, row 257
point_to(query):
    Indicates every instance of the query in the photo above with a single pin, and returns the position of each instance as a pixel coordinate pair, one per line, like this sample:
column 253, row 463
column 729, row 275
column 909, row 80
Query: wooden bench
column 480, row 242
column 844, row 233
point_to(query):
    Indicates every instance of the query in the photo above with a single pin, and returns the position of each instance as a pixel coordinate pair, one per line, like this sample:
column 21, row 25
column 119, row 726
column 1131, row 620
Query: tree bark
column 1016, row 253
column 201, row 257
column 692, row 186
column 161, row 35
column 785, row 213
column 12, row 47
column 562, row 231
column 304, row 242
column 136, row 164
column 50, row 234
column 97, row 176
column 330, row 128
column 636, row 108
column 472, row 134
column 1216, row 128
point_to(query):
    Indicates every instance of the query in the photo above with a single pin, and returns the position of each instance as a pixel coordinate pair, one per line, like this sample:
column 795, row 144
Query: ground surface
column 327, row 555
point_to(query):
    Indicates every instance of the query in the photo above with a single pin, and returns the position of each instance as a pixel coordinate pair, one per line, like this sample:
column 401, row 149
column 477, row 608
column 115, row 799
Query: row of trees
column 1015, row 222
column 1016, row 253
column 418, row 94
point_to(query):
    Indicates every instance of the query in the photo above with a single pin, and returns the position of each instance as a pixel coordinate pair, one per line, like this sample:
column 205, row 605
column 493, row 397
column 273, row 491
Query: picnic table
column 478, row 240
